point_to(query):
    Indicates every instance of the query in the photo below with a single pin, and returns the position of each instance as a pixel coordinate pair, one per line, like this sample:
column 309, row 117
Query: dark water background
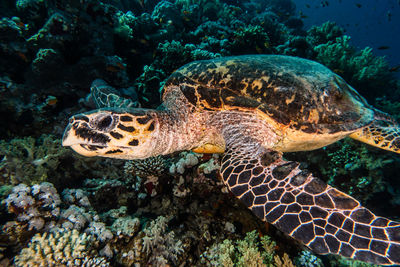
column 373, row 23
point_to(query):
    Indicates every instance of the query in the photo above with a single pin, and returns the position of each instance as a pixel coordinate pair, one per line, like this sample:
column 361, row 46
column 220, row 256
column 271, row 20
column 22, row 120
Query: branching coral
column 361, row 69
column 327, row 32
column 160, row 245
column 126, row 226
column 67, row 248
column 251, row 251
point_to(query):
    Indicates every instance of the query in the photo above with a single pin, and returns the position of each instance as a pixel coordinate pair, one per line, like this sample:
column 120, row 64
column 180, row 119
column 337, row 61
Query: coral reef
column 186, row 160
column 159, row 244
column 31, row 161
column 165, row 210
column 38, row 205
column 307, row 259
column 67, row 248
column 361, row 69
column 154, row 166
column 251, row 251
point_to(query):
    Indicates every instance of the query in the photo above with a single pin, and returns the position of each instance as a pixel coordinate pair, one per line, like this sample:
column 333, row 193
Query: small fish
column 383, row 47
column 358, row 5
column 308, row 6
column 51, row 100
column 112, row 68
column 389, row 16
column 20, row 24
column 23, row 56
column 143, row 41
column 395, row 69
column 120, row 65
column 324, row 3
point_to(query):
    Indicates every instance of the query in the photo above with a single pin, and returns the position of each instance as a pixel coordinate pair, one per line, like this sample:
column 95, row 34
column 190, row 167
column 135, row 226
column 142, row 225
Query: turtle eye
column 105, row 122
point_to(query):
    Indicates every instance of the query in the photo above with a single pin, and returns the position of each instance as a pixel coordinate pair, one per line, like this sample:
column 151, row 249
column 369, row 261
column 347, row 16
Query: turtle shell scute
column 294, row 92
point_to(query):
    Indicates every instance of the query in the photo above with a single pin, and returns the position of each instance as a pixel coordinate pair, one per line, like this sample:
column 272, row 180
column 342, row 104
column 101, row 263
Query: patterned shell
column 297, row 93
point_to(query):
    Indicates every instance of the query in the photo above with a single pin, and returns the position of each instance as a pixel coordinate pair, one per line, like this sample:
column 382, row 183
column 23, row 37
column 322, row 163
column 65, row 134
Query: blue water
column 373, row 23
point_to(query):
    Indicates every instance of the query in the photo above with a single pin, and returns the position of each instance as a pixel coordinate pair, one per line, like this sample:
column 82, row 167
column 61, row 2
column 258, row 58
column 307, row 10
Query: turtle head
column 114, row 134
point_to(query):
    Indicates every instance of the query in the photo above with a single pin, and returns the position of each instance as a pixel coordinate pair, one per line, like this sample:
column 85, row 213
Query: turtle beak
column 80, row 138
column 69, row 138
column 72, row 140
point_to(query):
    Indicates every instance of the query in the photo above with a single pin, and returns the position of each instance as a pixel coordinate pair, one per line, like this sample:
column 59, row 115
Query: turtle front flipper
column 297, row 203
column 383, row 132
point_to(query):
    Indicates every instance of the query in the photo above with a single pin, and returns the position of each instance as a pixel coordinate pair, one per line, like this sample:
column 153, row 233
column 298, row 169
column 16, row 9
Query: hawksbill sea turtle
column 252, row 109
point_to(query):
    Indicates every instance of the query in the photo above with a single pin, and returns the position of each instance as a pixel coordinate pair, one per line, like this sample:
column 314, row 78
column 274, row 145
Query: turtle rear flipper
column 383, row 132
column 320, row 216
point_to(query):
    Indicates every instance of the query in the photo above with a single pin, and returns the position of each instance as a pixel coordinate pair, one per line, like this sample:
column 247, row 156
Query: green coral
column 30, row 160
column 250, row 38
column 351, row 159
column 169, row 57
column 251, row 251
column 361, row 69
column 174, row 54
column 123, row 25
column 308, row 259
column 327, row 32
column 337, row 261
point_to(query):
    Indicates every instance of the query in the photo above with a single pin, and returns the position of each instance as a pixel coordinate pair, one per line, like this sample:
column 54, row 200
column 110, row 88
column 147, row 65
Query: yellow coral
column 63, row 248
